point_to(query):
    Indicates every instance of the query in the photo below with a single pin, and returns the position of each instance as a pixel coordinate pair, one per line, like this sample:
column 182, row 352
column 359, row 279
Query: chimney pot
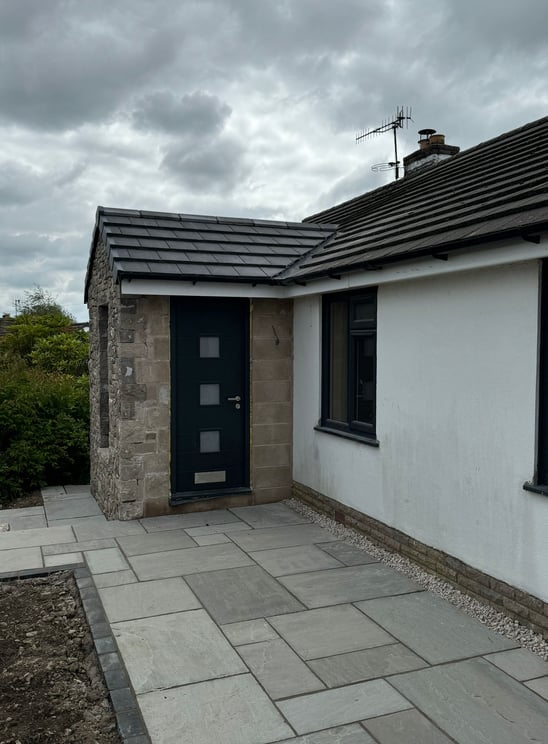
column 432, row 150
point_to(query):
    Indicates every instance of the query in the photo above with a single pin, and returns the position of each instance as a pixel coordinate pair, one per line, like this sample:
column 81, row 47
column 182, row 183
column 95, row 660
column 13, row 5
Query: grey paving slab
column 327, row 631
column 77, row 489
column 105, row 560
column 80, row 521
column 52, row 490
column 540, row 686
column 182, row 521
column 211, row 539
column 116, row 578
column 86, row 545
column 475, row 703
column 348, row 554
column 62, row 559
column 279, row 669
column 114, row 528
column 234, row 710
column 188, row 561
column 359, row 666
column 6, row 515
column 269, row 515
column 408, row 726
column 249, row 631
column 35, row 538
column 50, row 498
column 156, row 542
column 172, row 650
column 214, row 529
column 348, row 584
column 282, row 537
column 519, row 663
column 348, row 704
column 298, row 559
column 353, row 734
column 20, row 559
column 25, row 523
column 239, row 594
column 146, row 599
column 87, row 507
column 433, row 628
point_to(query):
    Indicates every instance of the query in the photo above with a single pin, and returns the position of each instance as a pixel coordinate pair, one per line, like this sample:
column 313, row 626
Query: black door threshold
column 187, row 496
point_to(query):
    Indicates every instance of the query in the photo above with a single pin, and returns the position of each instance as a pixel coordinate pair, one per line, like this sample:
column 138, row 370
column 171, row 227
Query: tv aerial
column 400, row 120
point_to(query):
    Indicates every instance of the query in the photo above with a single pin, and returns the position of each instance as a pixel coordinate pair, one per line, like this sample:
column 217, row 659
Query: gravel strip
column 486, row 614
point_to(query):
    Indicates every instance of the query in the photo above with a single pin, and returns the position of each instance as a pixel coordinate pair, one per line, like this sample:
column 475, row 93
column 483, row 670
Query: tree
column 42, row 335
column 44, row 399
column 62, row 352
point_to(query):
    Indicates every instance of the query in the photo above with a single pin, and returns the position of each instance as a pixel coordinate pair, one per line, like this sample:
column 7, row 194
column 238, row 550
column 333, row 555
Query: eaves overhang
column 532, row 233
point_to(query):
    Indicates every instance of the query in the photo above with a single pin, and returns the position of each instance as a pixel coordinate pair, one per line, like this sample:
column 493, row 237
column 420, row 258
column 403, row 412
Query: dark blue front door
column 210, row 364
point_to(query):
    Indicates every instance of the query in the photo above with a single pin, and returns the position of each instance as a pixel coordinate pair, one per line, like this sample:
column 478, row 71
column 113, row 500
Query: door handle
column 235, row 399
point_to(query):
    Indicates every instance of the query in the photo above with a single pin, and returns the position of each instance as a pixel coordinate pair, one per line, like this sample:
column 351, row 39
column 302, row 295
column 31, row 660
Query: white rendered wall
column 456, row 401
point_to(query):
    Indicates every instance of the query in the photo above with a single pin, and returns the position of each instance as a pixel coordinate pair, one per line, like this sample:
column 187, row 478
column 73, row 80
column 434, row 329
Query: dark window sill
column 370, row 441
column 534, row 488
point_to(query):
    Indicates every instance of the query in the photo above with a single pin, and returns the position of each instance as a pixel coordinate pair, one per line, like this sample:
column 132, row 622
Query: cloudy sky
column 233, row 107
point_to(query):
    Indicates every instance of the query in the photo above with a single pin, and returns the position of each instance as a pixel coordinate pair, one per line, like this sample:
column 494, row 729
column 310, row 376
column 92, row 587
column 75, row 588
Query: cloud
column 208, row 167
column 22, row 184
column 197, row 114
column 62, row 68
column 19, row 184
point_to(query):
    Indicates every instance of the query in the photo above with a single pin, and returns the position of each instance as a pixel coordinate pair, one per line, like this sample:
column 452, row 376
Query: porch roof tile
column 159, row 244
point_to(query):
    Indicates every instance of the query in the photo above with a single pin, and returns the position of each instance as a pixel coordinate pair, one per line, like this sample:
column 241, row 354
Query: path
column 251, row 625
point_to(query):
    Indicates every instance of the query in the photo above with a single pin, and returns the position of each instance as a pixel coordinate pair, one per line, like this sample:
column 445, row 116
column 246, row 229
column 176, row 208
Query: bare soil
column 31, row 499
column 51, row 689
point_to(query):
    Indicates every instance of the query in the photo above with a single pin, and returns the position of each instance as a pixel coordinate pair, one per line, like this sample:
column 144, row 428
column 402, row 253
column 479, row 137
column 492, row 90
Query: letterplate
column 214, row 476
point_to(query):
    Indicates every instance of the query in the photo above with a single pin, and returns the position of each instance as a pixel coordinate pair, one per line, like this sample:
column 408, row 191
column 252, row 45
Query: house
column 385, row 360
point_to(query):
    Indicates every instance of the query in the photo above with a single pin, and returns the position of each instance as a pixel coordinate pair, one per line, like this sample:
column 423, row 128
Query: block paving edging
column 129, row 720
column 527, row 609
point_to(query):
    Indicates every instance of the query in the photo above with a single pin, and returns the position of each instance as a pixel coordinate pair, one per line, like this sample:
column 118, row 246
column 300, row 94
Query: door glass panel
column 210, row 441
column 364, row 393
column 338, row 362
column 209, row 347
column 210, row 394
column 365, row 309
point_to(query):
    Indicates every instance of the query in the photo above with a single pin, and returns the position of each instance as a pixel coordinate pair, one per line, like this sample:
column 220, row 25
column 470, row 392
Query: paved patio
column 251, row 625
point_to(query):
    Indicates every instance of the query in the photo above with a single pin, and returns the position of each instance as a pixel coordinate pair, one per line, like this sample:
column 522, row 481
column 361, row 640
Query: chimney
column 432, row 150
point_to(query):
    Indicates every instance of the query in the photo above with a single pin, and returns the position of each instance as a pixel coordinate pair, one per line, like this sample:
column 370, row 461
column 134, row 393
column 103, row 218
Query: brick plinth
column 523, row 607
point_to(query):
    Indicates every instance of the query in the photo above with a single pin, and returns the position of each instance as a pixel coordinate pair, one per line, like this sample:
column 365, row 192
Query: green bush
column 28, row 329
column 64, row 352
column 44, row 428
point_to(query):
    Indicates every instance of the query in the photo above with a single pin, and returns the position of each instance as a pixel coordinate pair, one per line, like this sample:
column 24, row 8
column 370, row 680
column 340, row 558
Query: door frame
column 183, row 497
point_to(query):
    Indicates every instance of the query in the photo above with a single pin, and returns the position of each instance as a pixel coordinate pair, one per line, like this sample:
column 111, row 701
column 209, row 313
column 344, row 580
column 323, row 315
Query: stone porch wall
column 144, row 425
column 134, row 467
column 271, row 399
column 523, row 607
column 104, row 461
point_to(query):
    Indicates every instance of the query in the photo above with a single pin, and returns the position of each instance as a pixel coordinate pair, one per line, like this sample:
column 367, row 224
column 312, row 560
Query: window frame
column 355, row 329
column 539, row 484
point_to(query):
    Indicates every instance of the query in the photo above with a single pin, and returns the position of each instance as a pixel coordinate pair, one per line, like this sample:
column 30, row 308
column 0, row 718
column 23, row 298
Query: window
column 104, row 415
column 350, row 362
column 539, row 484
